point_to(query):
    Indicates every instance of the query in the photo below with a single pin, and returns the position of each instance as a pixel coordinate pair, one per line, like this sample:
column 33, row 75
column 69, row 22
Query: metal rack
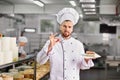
column 29, row 58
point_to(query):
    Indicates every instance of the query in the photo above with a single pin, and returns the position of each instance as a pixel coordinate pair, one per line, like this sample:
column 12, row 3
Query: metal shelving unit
column 17, row 62
column 29, row 58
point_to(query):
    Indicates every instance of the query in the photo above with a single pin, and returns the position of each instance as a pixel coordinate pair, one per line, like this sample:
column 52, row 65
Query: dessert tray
column 91, row 56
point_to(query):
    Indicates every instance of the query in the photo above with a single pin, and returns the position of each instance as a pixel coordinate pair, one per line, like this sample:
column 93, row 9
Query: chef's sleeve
column 22, row 51
column 42, row 56
column 82, row 49
column 86, row 65
column 82, row 64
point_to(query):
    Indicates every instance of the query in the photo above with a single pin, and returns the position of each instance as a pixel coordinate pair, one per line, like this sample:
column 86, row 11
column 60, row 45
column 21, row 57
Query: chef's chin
column 66, row 35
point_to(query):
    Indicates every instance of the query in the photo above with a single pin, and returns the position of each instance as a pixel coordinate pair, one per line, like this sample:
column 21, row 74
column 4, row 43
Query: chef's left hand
column 87, row 59
column 89, row 52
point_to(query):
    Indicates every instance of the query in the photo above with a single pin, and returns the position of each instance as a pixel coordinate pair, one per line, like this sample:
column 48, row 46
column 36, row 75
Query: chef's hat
column 68, row 14
column 23, row 39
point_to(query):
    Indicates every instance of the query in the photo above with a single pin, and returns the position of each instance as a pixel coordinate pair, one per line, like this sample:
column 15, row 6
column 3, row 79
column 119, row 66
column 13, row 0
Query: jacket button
column 73, row 77
column 65, row 59
column 64, row 68
column 73, row 60
column 65, row 78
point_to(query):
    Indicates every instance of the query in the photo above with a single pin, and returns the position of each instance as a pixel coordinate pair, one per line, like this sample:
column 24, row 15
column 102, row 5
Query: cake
column 27, row 79
column 90, row 54
column 18, row 77
column 30, row 76
column 6, row 77
column 13, row 70
column 1, row 78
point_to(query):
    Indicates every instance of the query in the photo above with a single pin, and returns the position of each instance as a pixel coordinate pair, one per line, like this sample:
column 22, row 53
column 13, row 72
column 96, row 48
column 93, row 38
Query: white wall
column 34, row 21
column 5, row 24
column 92, row 36
column 107, row 9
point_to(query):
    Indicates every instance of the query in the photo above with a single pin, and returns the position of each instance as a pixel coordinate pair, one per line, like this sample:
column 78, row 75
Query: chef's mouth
column 66, row 32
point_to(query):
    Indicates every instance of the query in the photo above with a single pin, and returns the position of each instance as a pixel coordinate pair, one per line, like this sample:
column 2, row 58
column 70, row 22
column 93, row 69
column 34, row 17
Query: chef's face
column 66, row 28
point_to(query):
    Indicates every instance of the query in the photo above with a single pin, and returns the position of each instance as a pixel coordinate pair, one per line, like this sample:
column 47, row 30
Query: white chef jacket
column 66, row 62
column 21, row 50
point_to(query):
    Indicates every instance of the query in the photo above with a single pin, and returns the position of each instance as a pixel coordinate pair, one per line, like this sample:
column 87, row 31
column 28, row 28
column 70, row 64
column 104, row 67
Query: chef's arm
column 22, row 52
column 43, row 56
column 86, row 64
column 86, row 60
column 53, row 40
column 49, row 48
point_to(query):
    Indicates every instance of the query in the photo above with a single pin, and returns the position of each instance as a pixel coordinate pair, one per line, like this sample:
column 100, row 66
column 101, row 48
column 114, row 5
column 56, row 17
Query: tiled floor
column 99, row 74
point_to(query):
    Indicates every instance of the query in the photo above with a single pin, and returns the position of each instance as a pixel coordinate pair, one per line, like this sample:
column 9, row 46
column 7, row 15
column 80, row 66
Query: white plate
column 96, row 56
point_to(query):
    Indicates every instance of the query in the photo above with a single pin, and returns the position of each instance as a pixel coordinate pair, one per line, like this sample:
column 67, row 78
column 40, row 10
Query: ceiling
column 30, row 1
column 105, row 9
column 15, row 1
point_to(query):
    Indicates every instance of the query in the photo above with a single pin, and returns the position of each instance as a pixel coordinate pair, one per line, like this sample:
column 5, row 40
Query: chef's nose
column 67, row 28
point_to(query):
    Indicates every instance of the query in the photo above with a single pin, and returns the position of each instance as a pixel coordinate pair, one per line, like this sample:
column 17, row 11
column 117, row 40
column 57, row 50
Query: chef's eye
column 64, row 26
column 69, row 26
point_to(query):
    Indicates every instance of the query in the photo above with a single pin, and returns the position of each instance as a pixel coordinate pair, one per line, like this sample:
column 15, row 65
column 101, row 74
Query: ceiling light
column 87, row 0
column 39, row 3
column 30, row 30
column 72, row 3
column 12, row 15
column 81, row 15
column 88, row 5
column 10, row 29
column 89, row 9
column 90, row 13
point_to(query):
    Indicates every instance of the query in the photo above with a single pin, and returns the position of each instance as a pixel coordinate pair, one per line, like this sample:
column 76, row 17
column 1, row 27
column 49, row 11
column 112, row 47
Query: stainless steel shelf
column 28, row 58
column 31, row 57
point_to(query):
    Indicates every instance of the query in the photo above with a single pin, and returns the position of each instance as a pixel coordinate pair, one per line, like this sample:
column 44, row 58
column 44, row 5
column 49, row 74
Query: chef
column 0, row 35
column 64, row 52
column 22, row 42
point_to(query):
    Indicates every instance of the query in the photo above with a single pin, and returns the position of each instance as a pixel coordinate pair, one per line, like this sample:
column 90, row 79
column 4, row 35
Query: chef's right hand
column 53, row 41
column 23, row 55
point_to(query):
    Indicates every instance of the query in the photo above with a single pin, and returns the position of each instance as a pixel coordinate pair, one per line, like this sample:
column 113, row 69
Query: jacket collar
column 62, row 39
